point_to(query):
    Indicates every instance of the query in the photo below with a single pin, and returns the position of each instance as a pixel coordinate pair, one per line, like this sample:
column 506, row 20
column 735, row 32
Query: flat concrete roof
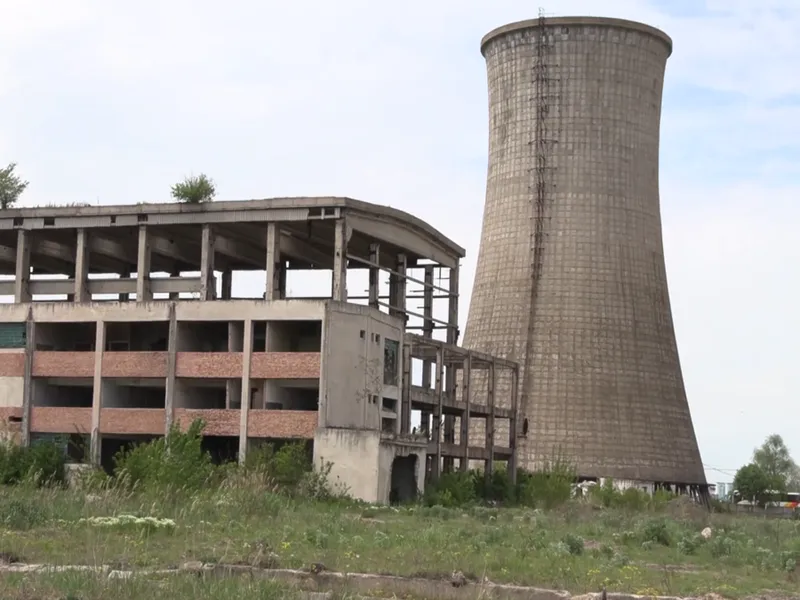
column 303, row 219
column 576, row 21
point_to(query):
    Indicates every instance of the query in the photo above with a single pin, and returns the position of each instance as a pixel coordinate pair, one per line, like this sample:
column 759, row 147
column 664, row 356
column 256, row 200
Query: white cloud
column 115, row 101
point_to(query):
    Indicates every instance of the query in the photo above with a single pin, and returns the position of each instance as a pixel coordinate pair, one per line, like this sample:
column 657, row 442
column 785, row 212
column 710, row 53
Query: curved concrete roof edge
column 369, row 208
column 566, row 21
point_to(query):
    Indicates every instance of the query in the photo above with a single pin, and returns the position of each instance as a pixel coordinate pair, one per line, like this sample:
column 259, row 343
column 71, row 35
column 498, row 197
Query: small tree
column 11, row 186
column 753, row 483
column 194, row 190
column 774, row 458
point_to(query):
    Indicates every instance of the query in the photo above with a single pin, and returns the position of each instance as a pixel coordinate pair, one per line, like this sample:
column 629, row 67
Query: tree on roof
column 11, row 186
column 196, row 189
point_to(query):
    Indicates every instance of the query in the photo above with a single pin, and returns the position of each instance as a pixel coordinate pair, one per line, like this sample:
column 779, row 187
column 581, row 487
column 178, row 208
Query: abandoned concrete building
column 120, row 321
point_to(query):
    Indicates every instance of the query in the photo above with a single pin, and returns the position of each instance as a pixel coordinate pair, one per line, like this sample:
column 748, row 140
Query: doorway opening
column 403, row 480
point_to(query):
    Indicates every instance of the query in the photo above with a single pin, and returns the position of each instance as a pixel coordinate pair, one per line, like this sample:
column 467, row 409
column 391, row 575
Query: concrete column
column 427, row 331
column 174, row 295
column 247, row 355
column 437, row 415
column 275, row 271
column 452, row 307
column 450, row 381
column 512, row 426
column 401, row 286
column 491, row 392
column 374, row 276
column 82, row 267
column 27, row 390
column 22, row 280
column 97, row 392
column 405, row 390
column 124, row 296
column 465, row 418
column 233, row 387
column 207, row 290
column 339, row 291
column 227, row 285
column 143, row 290
column 172, row 359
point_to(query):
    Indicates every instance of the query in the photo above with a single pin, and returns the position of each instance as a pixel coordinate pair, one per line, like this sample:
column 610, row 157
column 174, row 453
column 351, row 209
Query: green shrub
column 177, row 461
column 42, row 463
column 656, row 531
column 574, row 543
column 547, row 488
column 499, row 487
column 21, row 515
column 453, row 489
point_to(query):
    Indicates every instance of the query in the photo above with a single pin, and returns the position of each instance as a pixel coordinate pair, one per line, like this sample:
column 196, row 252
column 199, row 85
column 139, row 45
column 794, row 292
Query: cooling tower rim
column 575, row 21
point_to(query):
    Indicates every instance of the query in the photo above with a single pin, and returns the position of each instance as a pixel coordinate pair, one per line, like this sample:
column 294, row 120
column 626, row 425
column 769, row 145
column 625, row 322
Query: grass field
column 577, row 547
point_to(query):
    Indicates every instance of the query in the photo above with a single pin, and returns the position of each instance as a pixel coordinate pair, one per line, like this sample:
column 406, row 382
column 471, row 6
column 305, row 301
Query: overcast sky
column 111, row 102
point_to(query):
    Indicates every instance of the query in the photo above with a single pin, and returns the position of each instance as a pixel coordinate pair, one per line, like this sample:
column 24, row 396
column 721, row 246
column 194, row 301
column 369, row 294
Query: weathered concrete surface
column 570, row 278
column 319, row 585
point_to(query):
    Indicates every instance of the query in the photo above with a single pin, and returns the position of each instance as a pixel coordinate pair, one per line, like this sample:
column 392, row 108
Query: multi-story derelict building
column 120, row 322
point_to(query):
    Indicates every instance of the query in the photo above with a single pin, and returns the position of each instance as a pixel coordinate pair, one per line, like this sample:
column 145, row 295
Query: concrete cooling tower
column 571, row 279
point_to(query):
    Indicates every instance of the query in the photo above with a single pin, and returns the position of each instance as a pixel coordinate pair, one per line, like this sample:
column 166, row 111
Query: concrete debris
column 358, row 585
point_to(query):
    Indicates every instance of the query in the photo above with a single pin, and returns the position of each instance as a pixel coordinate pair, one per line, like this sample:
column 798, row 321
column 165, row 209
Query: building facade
column 121, row 322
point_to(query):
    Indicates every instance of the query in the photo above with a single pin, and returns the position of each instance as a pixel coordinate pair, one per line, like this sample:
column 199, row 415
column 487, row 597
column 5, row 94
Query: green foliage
column 656, row 531
column 11, row 186
column 630, row 499
column 753, row 483
column 775, row 460
column 453, row 489
column 574, row 544
column 42, row 463
column 290, row 468
column 548, row 487
column 196, row 189
column 21, row 515
column 177, row 461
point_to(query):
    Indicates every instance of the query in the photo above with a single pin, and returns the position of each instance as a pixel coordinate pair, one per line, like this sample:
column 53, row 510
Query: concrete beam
column 126, row 285
column 159, row 246
column 298, row 248
column 65, row 253
column 241, row 251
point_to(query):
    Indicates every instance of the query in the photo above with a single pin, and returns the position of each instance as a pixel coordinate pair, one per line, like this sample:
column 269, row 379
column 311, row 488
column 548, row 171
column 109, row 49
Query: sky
column 112, row 102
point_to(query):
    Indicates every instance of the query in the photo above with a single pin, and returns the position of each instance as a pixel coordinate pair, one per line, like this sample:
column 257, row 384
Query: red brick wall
column 12, row 364
column 226, row 365
column 218, row 421
column 61, row 420
column 282, row 424
column 135, row 421
column 63, row 364
column 135, row 364
column 285, row 365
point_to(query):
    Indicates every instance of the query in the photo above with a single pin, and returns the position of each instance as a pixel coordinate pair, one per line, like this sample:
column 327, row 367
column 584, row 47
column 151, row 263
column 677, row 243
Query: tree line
column 772, row 470
column 195, row 189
